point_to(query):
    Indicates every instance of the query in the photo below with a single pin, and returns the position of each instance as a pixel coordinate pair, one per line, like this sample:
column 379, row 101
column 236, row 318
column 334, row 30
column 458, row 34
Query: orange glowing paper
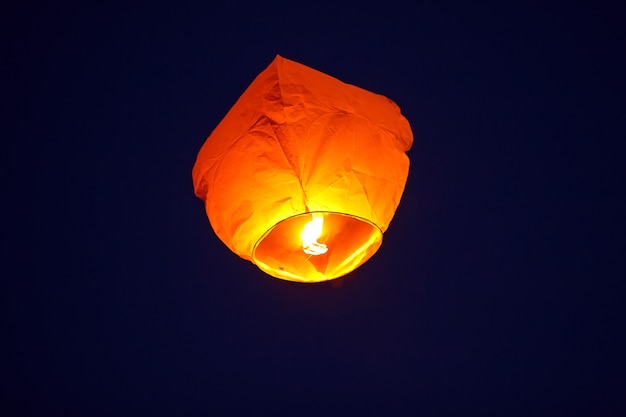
column 304, row 173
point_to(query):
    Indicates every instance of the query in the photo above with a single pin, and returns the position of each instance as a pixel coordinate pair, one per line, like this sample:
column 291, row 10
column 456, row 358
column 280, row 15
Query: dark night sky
column 499, row 287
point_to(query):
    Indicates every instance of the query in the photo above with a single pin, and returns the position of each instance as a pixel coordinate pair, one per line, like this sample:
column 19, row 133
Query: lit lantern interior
column 315, row 247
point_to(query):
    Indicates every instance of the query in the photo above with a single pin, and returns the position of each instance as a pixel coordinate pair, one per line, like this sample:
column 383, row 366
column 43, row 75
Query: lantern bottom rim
column 344, row 243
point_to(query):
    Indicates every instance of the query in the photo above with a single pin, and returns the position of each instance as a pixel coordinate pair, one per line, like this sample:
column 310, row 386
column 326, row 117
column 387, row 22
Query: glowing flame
column 312, row 231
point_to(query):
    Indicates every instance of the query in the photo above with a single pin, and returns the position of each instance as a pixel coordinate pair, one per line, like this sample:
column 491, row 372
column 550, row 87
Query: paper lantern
column 304, row 173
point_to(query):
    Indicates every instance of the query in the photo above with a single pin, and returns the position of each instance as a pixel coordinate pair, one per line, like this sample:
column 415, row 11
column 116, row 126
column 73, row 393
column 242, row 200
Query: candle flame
column 312, row 231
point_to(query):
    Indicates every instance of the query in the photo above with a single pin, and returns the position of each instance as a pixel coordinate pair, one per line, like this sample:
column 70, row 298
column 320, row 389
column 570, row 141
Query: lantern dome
column 304, row 173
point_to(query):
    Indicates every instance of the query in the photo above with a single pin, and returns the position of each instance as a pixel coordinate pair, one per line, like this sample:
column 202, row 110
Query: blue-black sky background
column 499, row 287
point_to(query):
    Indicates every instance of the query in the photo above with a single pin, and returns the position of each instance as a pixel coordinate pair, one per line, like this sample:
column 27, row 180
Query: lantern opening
column 316, row 247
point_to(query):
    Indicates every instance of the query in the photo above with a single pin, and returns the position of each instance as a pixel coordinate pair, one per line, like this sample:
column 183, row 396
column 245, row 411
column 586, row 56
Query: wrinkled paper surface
column 299, row 140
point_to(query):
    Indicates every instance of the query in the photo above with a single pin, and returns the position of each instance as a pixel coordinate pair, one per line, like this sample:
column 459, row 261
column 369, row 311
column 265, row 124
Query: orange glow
column 304, row 173
column 311, row 232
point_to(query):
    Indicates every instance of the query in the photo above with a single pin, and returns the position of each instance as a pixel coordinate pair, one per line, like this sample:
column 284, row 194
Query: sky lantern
column 304, row 173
